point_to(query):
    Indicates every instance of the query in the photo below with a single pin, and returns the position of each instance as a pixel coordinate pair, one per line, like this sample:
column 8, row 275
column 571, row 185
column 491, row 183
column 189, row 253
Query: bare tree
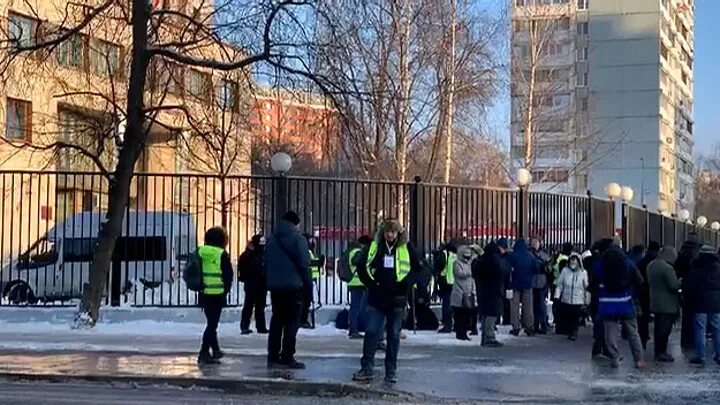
column 176, row 36
column 707, row 185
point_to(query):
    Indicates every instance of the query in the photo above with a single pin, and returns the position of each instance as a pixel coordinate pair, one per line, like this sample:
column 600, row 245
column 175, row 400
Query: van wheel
column 20, row 292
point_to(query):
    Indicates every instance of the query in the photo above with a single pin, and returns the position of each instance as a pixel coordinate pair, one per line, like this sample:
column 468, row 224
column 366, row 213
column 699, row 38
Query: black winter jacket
column 702, row 286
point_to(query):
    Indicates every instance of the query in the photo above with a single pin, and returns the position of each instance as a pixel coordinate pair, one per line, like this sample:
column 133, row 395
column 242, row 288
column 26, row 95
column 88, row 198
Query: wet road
column 547, row 369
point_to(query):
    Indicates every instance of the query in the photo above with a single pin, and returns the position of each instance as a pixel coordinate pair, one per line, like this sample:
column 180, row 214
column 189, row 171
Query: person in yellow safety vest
column 443, row 264
column 358, row 291
column 217, row 276
column 560, row 263
column 317, row 263
column 390, row 268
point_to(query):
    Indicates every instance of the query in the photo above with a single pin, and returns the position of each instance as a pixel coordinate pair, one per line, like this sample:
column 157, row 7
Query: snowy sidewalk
column 539, row 369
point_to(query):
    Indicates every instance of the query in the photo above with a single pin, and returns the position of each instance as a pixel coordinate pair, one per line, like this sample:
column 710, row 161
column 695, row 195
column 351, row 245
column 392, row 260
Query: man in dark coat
column 492, row 276
column 540, row 287
column 702, row 285
column 524, row 268
column 651, row 254
column 599, row 347
column 687, row 254
column 251, row 271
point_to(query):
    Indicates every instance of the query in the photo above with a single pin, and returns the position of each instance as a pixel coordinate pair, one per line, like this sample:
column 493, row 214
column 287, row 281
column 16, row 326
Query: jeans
column 702, row 321
column 488, row 329
column 392, row 319
column 286, row 309
column 254, row 302
column 663, row 327
column 523, row 297
column 358, row 304
column 540, row 309
column 447, row 310
column 212, row 306
column 612, row 335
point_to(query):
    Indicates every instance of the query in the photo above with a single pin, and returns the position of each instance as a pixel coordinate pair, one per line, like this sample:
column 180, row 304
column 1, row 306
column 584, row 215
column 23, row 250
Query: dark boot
column 205, row 359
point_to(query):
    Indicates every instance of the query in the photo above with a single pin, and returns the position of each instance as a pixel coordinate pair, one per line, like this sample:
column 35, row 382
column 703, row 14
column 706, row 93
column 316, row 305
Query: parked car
column 149, row 251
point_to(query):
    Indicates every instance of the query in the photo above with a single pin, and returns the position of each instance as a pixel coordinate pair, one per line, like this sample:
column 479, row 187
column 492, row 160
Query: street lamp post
column 626, row 194
column 281, row 163
column 523, row 179
column 613, row 191
column 684, row 216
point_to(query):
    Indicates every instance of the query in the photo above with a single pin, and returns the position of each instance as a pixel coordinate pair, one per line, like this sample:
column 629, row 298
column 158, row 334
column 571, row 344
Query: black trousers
column 254, row 302
column 463, row 321
column 287, row 306
column 663, row 327
column 212, row 306
column 570, row 319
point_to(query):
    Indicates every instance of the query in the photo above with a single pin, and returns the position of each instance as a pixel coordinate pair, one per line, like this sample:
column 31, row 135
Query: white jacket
column 572, row 287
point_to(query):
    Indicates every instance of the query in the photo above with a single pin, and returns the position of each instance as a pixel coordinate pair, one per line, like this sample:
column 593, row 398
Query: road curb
column 240, row 386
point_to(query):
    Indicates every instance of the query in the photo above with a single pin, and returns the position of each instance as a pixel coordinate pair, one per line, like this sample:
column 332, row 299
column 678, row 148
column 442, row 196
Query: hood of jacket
column 465, row 253
column 284, row 230
column 391, row 224
column 520, row 246
column 579, row 259
column 668, row 254
column 706, row 260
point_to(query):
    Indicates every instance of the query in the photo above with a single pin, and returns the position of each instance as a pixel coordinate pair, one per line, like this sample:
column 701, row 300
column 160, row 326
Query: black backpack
column 344, row 267
column 192, row 273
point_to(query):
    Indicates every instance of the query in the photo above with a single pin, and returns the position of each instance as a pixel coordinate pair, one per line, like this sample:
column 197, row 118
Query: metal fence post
column 281, row 197
column 625, row 225
column 647, row 225
column 589, row 221
column 523, row 195
column 415, row 225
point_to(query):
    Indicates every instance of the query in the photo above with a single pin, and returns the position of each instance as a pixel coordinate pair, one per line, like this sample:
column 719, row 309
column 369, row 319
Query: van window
column 78, row 249
column 41, row 253
column 141, row 249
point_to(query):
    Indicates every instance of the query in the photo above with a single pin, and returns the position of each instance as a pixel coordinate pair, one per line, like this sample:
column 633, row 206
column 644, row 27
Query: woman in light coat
column 572, row 293
column 464, row 295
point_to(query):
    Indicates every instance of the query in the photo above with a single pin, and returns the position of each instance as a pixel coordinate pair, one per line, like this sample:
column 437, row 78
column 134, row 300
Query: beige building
column 622, row 74
column 74, row 94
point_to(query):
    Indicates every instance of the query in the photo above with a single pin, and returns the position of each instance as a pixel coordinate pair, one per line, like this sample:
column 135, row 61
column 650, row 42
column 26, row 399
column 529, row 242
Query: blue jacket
column 616, row 279
column 524, row 266
column 287, row 266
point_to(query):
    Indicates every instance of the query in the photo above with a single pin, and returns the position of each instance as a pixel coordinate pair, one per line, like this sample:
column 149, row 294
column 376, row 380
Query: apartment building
column 74, row 93
column 614, row 96
column 305, row 123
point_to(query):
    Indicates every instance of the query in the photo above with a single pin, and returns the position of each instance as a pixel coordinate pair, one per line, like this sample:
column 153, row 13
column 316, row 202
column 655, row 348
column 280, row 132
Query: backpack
column 344, row 268
column 192, row 273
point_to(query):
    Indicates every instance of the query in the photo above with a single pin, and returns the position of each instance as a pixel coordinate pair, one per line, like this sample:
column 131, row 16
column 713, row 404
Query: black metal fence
column 640, row 227
column 50, row 222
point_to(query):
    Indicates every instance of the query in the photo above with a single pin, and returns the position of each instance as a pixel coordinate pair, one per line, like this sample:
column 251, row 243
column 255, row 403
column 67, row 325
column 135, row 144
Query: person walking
column 217, row 277
column 540, row 287
column 443, row 264
column 617, row 278
column 389, row 268
column 688, row 253
column 559, row 264
column 664, row 300
column 251, row 271
column 492, row 274
column 599, row 348
column 464, row 294
column 703, row 289
column 506, row 318
column 290, row 283
column 524, row 267
column 358, row 292
column 651, row 254
column 572, row 294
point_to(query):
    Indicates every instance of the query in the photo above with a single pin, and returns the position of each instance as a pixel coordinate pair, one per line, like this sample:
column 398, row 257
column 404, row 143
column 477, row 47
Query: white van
column 149, row 251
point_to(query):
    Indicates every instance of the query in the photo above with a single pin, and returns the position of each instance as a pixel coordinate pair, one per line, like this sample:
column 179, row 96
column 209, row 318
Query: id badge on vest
column 389, row 262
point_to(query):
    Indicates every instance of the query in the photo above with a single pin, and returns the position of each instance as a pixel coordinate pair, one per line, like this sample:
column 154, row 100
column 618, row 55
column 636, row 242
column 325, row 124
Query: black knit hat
column 291, row 217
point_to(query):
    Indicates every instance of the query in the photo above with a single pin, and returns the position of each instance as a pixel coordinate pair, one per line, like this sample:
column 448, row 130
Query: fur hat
column 391, row 225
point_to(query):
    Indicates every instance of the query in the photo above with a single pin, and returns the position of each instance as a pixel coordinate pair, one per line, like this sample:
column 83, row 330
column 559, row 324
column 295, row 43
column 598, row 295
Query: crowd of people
column 622, row 292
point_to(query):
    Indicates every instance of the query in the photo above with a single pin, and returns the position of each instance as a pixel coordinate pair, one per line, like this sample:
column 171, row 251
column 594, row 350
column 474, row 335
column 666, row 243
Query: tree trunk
column 135, row 135
column 449, row 121
column 401, row 146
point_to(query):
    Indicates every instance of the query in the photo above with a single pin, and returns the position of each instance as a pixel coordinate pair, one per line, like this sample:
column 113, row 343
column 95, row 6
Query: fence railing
column 640, row 227
column 50, row 222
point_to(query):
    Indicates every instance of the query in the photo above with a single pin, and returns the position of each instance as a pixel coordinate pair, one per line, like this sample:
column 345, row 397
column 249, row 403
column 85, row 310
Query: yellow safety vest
column 316, row 270
column 210, row 257
column 447, row 272
column 402, row 261
column 355, row 281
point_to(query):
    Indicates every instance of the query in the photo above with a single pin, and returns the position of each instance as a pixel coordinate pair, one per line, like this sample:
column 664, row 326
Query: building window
column 104, row 57
column 21, row 30
column 71, row 52
column 197, row 83
column 582, row 54
column 167, row 77
column 564, row 23
column 582, row 79
column 18, row 120
column 582, row 4
column 583, row 104
column 226, row 94
column 583, row 28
